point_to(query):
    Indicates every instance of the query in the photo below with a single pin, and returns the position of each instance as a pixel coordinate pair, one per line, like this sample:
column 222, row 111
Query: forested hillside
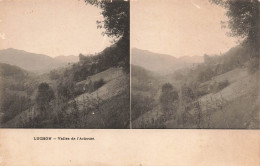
column 16, row 91
column 222, row 92
column 91, row 93
column 99, row 82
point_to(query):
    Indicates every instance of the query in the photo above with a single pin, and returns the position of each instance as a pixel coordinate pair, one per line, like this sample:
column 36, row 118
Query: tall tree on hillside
column 44, row 97
column 168, row 99
column 116, row 22
column 116, row 17
column 244, row 22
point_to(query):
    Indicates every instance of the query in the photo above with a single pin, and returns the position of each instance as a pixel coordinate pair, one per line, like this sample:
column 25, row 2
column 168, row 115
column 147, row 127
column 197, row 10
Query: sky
column 68, row 27
column 53, row 27
column 179, row 27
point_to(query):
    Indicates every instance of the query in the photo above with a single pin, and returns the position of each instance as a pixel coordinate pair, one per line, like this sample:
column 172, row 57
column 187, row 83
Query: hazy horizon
column 179, row 28
column 53, row 28
column 173, row 55
column 38, row 53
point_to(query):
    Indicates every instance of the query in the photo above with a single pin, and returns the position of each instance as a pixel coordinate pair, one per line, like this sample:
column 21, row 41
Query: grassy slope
column 239, row 101
column 115, row 102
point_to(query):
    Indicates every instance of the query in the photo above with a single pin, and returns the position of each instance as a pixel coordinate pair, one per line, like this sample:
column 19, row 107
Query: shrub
column 218, row 86
column 98, row 84
column 93, row 86
column 168, row 98
column 45, row 96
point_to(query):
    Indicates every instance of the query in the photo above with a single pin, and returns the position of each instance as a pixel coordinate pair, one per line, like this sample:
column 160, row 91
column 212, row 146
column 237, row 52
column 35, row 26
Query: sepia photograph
column 67, row 64
column 195, row 64
column 64, row 64
column 129, row 82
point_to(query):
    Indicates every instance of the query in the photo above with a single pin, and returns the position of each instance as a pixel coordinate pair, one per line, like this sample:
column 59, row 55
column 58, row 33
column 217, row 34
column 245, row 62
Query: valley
column 91, row 93
column 209, row 95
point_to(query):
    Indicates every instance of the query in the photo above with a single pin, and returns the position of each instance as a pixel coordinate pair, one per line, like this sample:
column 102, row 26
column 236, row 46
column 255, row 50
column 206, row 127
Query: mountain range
column 162, row 63
column 38, row 63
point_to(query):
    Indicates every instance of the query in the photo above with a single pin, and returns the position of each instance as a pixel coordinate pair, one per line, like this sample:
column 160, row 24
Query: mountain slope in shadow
column 162, row 63
column 38, row 63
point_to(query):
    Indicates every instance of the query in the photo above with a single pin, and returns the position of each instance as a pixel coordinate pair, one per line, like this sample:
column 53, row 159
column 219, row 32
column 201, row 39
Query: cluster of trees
column 116, row 17
column 184, row 108
column 88, row 65
column 174, row 105
column 93, row 85
column 15, row 91
column 44, row 97
column 189, row 112
column 140, row 104
column 13, row 104
column 235, row 57
column 116, row 23
column 113, row 56
column 169, row 99
column 180, row 106
column 244, row 23
column 91, row 112
column 217, row 65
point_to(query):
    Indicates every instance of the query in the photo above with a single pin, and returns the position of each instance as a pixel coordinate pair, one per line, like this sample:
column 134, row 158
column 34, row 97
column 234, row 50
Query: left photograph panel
column 64, row 64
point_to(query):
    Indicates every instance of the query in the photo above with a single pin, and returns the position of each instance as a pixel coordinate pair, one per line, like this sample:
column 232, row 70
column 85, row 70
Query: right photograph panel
column 195, row 64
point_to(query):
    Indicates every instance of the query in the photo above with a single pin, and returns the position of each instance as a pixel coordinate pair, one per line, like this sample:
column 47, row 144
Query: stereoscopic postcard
column 129, row 82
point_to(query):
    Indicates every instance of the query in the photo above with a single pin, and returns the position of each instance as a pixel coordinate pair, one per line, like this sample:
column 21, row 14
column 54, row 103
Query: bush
column 98, row 84
column 93, row 86
column 168, row 97
column 45, row 96
column 218, row 86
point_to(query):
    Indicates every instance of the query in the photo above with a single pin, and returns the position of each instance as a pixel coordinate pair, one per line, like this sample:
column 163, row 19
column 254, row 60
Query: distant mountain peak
column 150, row 52
column 29, row 61
column 161, row 63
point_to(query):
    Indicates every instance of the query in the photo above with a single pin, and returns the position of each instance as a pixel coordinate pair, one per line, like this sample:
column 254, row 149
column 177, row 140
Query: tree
column 244, row 21
column 116, row 17
column 186, row 98
column 44, row 97
column 187, row 94
column 168, row 98
column 116, row 22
